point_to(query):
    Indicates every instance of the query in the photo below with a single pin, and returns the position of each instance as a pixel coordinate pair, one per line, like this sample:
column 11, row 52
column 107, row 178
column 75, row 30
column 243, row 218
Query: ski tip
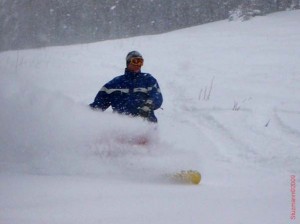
column 188, row 177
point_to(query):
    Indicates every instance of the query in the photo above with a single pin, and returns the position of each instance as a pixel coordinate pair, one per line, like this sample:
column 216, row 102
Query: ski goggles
column 137, row 61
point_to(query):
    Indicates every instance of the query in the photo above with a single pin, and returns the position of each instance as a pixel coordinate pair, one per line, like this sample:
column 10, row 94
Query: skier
column 134, row 93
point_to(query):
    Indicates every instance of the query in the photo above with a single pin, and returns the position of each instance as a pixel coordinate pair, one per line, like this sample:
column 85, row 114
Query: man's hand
column 146, row 109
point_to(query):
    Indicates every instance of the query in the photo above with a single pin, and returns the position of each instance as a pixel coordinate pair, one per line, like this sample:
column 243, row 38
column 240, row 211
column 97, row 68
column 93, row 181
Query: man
column 135, row 93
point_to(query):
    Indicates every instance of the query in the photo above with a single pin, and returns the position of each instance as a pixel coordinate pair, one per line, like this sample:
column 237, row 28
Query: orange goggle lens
column 137, row 61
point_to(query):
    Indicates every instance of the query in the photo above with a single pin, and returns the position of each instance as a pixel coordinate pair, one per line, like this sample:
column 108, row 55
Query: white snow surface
column 61, row 162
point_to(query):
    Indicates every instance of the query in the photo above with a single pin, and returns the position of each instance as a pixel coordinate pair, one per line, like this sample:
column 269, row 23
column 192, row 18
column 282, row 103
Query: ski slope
column 61, row 162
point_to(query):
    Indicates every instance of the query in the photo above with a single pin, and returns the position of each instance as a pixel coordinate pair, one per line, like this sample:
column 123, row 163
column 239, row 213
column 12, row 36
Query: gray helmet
column 133, row 54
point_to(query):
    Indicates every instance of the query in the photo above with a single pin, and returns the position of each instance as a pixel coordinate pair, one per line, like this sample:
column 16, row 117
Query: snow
column 61, row 162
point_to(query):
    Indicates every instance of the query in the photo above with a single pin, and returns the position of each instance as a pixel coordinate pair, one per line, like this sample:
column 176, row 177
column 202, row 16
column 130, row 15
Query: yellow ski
column 187, row 176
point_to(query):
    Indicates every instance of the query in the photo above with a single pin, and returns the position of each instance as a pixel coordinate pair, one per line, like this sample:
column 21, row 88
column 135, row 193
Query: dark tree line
column 39, row 23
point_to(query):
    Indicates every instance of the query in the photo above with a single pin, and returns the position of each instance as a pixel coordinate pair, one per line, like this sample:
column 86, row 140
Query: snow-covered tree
column 37, row 23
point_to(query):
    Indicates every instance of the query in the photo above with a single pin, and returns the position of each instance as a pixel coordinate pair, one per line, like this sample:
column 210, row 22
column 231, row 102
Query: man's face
column 135, row 64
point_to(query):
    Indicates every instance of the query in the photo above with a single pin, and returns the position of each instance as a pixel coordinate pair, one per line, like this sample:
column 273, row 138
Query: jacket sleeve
column 102, row 100
column 155, row 95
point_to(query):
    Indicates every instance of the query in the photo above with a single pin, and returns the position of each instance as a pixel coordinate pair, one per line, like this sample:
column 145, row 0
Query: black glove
column 146, row 109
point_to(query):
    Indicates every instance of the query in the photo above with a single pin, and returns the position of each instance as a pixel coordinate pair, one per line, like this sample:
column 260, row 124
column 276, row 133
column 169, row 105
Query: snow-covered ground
column 64, row 163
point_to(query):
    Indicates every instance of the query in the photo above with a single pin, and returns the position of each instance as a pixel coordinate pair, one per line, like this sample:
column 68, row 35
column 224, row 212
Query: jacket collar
column 132, row 74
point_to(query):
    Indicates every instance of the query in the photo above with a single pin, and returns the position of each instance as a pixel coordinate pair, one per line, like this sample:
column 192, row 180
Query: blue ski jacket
column 129, row 93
